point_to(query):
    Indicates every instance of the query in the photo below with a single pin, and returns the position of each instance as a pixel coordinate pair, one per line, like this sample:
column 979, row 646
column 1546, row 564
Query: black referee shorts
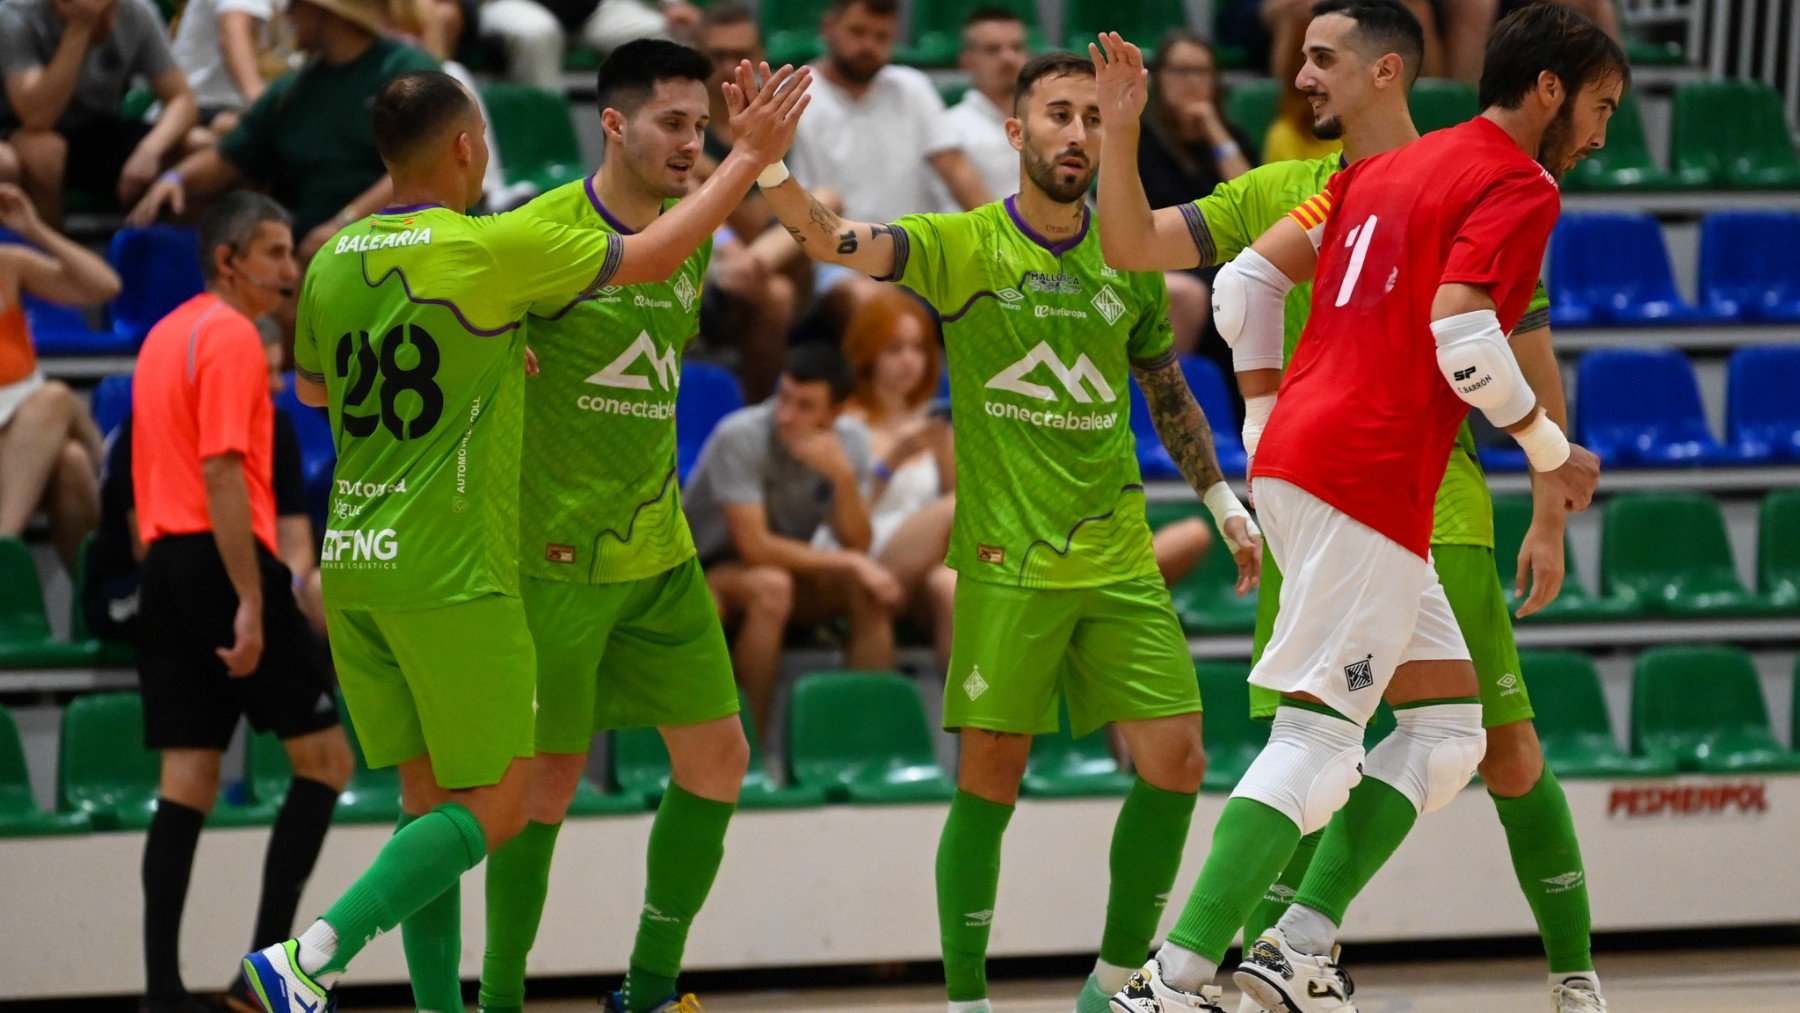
column 186, row 606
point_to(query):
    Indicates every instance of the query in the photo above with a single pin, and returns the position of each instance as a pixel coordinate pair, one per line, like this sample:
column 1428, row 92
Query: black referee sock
column 293, row 848
column 168, row 863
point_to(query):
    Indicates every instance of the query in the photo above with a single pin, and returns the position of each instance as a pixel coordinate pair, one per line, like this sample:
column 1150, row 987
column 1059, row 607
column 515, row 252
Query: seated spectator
column 769, row 478
column 435, row 26
column 219, row 45
column 67, row 65
column 529, row 35
column 307, row 139
column 1467, row 23
column 1186, row 148
column 616, row 22
column 49, row 446
column 993, row 51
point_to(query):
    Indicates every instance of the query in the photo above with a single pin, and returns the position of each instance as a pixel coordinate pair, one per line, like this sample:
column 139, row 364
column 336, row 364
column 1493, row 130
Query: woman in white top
column 220, row 45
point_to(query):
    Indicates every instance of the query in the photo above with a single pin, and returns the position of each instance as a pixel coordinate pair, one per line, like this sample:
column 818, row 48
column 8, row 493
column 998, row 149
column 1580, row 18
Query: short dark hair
column 233, row 222
column 1547, row 37
column 1387, row 24
column 817, row 362
column 413, row 108
column 630, row 74
column 886, row 8
column 982, row 15
column 1058, row 64
column 726, row 12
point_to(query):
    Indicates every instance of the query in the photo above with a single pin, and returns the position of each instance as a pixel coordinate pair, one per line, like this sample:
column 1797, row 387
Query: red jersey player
column 1426, row 257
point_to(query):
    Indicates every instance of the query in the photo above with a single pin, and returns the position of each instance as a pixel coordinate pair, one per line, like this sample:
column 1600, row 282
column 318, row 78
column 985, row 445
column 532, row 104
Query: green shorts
column 641, row 653
column 1479, row 602
column 455, row 682
column 1116, row 652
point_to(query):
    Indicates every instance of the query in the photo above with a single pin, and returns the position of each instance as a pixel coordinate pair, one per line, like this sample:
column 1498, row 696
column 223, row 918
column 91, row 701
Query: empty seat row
column 1641, row 408
column 159, row 269
column 1611, row 268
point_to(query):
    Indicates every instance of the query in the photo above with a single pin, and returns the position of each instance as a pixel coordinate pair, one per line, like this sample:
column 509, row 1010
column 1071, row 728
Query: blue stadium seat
column 1153, row 461
column 1640, row 408
column 159, row 266
column 1611, row 268
column 1762, row 413
column 708, row 393
column 318, row 455
column 112, row 402
column 1740, row 278
column 1208, row 384
column 64, row 330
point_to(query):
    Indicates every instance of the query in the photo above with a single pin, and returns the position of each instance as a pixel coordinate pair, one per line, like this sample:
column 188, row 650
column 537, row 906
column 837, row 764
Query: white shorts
column 1355, row 604
column 14, row 394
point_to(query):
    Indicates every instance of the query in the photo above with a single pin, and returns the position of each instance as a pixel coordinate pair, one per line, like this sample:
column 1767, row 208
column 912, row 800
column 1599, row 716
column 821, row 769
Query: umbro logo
column 1565, row 882
column 1509, row 684
column 978, row 919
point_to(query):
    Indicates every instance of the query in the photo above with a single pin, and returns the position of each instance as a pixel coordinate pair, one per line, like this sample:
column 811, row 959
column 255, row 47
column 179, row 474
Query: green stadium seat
column 952, row 92
column 25, row 639
column 791, row 30
column 1232, row 737
column 1668, row 551
column 1731, row 134
column 104, row 770
column 1254, row 104
column 1206, row 600
column 937, row 30
column 1512, row 518
column 108, row 653
column 640, row 766
column 1572, row 721
column 536, row 134
column 1778, row 550
column 20, row 815
column 592, row 800
column 372, row 796
column 1063, row 766
column 1438, row 103
column 1624, row 164
column 1143, row 22
column 1654, row 54
column 1794, row 706
column 1704, row 706
column 884, row 755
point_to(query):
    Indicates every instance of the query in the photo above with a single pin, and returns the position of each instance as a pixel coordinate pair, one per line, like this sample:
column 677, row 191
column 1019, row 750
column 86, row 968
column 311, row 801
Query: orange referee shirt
column 201, row 390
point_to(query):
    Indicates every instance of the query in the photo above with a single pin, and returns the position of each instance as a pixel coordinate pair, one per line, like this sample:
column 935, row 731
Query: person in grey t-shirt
column 769, row 477
column 66, row 65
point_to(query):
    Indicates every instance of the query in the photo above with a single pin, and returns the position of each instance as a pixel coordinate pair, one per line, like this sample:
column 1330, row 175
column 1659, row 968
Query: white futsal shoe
column 1577, row 994
column 1146, row 993
column 1285, row 980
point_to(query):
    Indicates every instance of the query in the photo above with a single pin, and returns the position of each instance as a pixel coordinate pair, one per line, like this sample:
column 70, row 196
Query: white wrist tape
column 1224, row 505
column 1249, row 300
column 1545, row 445
column 1476, row 360
column 775, row 174
column 1256, row 415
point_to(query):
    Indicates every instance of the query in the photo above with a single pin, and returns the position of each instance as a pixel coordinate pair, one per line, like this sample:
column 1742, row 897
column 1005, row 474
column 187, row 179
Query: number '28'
column 407, row 361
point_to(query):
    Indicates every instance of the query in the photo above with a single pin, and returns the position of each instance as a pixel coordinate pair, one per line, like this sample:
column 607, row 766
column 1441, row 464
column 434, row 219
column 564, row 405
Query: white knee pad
column 1432, row 755
column 1307, row 769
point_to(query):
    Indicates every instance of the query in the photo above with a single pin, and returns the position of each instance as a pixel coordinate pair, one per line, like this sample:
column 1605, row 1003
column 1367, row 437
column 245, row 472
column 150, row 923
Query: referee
column 219, row 635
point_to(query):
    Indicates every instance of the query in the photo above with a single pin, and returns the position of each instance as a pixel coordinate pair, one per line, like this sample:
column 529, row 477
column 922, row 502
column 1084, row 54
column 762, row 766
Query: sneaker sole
column 254, row 965
column 1263, row 989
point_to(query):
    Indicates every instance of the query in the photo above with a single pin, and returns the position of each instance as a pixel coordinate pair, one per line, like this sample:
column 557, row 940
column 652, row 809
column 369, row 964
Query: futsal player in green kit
column 1359, row 66
column 409, row 329
column 627, row 634
column 1058, row 596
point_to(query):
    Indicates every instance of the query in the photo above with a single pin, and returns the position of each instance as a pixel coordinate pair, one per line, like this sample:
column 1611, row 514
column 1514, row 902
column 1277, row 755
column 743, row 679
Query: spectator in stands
column 875, row 132
column 768, row 479
column 1467, row 23
column 219, row 45
column 49, row 446
column 616, row 22
column 308, row 139
column 435, row 26
column 993, row 51
column 1188, row 147
column 66, row 66
column 219, row 636
column 531, row 37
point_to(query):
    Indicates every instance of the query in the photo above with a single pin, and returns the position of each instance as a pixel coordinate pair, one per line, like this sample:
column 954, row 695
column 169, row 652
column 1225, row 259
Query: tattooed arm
column 1188, row 437
column 827, row 236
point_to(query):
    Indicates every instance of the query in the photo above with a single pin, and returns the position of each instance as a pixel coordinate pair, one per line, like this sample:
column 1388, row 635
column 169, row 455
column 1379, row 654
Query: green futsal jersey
column 1237, row 212
column 1041, row 337
column 411, row 318
column 600, row 502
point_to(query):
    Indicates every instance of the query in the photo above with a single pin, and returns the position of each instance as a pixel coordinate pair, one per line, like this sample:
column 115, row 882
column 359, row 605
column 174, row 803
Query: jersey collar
column 408, row 209
column 1056, row 249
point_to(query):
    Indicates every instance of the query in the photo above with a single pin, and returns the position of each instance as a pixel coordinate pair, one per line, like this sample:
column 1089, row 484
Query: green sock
column 1546, row 857
column 968, row 882
column 1360, row 839
column 687, row 842
column 1281, row 892
column 518, row 880
column 1147, row 842
column 1250, row 845
column 422, row 860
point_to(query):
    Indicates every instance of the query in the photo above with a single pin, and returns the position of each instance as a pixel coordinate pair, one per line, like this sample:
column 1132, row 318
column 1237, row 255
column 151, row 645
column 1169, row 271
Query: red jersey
column 1365, row 420
column 201, row 390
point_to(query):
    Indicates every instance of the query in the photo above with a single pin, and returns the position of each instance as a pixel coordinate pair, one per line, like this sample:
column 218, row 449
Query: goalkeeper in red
column 1428, row 258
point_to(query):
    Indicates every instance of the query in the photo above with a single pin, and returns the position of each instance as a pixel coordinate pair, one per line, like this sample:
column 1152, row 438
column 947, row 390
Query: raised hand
column 17, row 212
column 764, row 117
column 1119, row 72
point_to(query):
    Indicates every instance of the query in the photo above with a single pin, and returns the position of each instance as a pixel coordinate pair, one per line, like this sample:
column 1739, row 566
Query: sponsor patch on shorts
column 559, row 553
column 1360, row 674
column 990, row 554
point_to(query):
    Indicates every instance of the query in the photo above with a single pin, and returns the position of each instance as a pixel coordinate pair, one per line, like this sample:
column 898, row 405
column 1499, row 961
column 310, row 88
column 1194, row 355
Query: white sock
column 1184, row 969
column 1565, row 977
column 1307, row 930
column 318, row 944
column 978, row 1006
column 1111, row 977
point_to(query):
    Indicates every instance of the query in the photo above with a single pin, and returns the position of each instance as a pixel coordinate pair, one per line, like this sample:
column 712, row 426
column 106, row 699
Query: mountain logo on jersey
column 1109, row 304
column 1082, row 380
column 667, row 370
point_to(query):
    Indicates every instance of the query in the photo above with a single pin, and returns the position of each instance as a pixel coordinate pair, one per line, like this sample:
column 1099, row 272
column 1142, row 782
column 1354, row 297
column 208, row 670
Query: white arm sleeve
column 1474, row 356
column 1249, row 302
